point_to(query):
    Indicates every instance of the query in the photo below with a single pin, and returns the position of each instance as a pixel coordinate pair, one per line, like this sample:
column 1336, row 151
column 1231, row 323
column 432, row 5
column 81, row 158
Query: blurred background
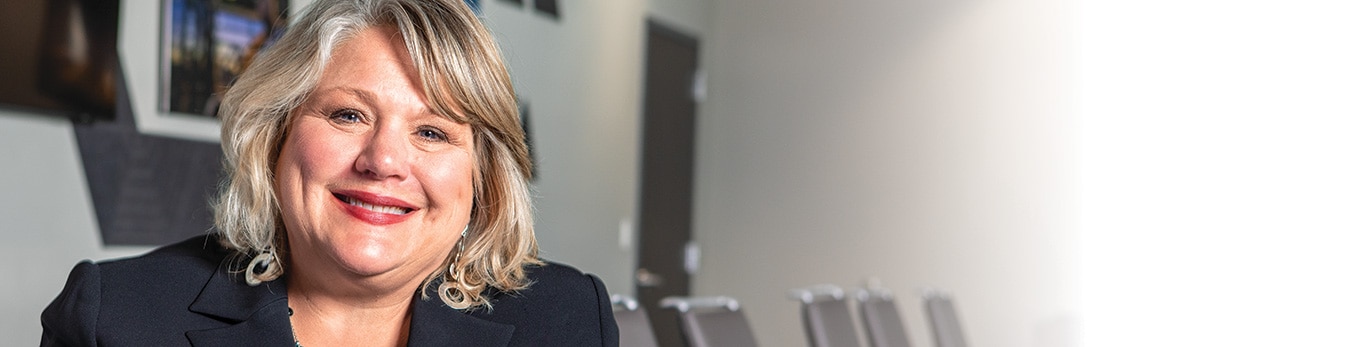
column 1073, row 172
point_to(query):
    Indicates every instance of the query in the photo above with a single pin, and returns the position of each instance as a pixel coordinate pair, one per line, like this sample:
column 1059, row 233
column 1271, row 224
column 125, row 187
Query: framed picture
column 206, row 44
column 60, row 58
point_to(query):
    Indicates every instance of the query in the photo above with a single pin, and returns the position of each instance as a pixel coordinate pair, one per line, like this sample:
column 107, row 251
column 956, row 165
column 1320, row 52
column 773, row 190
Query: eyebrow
column 365, row 96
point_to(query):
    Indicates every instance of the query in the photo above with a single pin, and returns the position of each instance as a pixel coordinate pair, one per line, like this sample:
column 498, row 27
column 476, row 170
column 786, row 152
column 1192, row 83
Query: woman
column 376, row 195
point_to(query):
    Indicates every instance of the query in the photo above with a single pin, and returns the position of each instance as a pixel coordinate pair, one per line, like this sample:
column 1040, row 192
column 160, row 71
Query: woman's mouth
column 373, row 208
column 394, row 210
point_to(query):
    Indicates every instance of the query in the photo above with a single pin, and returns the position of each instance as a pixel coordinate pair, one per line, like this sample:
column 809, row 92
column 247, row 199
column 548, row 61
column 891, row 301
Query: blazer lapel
column 257, row 316
column 435, row 324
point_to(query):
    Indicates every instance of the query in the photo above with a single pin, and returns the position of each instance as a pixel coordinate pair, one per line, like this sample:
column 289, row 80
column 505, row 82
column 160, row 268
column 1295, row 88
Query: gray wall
column 49, row 223
column 921, row 143
column 582, row 76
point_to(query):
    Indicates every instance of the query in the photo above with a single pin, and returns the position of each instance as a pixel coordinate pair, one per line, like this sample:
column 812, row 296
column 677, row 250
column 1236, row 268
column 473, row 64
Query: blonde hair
column 462, row 73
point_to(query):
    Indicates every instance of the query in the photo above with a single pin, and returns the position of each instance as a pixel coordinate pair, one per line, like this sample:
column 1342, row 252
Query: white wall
column 924, row 143
column 1222, row 172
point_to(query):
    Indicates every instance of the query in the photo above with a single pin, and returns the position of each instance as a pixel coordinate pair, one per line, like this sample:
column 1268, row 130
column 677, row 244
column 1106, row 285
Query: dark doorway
column 666, row 175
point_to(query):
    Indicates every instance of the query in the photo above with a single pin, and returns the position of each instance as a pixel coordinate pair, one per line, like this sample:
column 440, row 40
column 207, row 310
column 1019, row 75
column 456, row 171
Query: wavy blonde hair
column 463, row 77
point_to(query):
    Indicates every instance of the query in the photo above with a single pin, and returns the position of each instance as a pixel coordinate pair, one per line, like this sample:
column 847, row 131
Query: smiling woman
column 368, row 171
column 374, row 160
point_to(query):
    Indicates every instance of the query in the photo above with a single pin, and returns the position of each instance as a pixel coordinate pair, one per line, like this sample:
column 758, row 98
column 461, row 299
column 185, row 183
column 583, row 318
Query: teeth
column 376, row 208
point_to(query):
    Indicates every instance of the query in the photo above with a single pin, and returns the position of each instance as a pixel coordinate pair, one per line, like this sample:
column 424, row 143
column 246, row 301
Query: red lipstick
column 373, row 209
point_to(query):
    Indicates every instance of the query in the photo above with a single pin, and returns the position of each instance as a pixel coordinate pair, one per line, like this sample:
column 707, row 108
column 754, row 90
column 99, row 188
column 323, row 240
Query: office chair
column 943, row 319
column 825, row 315
column 711, row 321
column 881, row 320
column 633, row 324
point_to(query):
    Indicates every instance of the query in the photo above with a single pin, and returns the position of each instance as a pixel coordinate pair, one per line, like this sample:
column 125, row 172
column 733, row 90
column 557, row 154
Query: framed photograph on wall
column 206, row 44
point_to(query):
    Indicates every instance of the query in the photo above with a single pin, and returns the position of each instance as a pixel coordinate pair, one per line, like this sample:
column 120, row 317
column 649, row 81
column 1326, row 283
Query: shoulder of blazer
column 70, row 319
column 561, row 305
column 199, row 256
column 132, row 295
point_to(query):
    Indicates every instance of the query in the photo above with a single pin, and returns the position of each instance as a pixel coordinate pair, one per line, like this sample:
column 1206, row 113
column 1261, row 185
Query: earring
column 265, row 265
column 460, row 249
column 461, row 243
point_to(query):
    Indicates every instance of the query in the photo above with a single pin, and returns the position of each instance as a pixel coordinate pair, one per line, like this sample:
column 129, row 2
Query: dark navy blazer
column 185, row 294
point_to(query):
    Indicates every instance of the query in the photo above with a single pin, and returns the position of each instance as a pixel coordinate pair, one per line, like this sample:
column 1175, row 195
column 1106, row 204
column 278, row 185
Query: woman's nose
column 384, row 156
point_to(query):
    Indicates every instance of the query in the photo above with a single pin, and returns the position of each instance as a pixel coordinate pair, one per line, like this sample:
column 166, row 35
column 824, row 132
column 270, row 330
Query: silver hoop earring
column 265, row 265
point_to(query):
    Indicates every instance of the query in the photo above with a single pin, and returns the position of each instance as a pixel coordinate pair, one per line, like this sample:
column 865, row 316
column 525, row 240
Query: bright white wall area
column 1222, row 172
column 924, row 143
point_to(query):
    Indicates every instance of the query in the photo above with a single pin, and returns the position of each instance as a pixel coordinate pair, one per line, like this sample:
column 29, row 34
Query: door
column 668, row 128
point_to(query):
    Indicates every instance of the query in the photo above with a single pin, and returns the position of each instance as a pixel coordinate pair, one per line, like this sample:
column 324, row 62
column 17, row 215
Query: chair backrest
column 881, row 320
column 712, row 321
column 632, row 323
column 943, row 320
column 826, row 317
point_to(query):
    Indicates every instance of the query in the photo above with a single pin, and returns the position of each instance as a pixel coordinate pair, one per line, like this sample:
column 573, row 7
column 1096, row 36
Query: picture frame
column 206, row 44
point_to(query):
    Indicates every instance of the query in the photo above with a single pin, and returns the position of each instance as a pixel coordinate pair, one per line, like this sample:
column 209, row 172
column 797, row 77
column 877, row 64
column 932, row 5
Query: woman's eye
column 346, row 116
column 432, row 134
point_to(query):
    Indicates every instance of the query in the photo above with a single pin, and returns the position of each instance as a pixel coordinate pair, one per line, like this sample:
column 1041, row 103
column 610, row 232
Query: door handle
column 647, row 279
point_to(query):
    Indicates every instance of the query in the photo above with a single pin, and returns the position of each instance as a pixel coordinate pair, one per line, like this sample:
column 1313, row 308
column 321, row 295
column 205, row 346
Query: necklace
column 291, row 330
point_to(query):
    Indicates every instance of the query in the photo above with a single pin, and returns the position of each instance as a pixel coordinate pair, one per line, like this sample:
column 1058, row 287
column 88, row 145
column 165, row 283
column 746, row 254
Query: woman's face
column 371, row 181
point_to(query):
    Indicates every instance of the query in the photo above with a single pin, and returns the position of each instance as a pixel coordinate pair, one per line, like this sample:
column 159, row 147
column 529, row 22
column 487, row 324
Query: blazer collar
column 259, row 316
column 256, row 315
column 435, row 324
